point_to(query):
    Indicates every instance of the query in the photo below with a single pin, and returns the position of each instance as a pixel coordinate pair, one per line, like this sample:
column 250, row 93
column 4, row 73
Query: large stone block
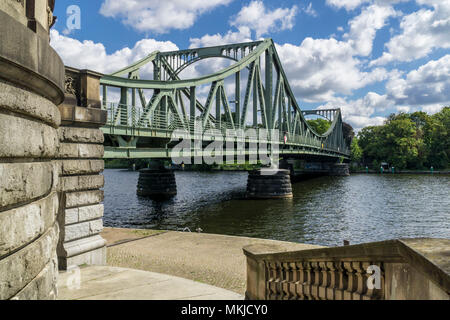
column 82, row 117
column 15, row 9
column 82, row 230
column 22, row 225
column 27, row 59
column 78, row 183
column 20, row 268
column 80, row 150
column 18, row 100
column 83, row 198
column 37, row 141
column 23, row 182
column 81, row 135
column 78, row 167
column 76, row 215
column 44, row 286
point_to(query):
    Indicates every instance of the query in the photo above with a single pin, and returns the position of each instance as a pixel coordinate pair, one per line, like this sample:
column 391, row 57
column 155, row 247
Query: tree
column 319, row 125
column 437, row 139
column 408, row 140
column 356, row 151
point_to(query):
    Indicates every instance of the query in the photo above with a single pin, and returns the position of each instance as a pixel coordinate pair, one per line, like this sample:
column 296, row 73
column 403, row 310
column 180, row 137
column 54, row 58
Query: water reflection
column 326, row 210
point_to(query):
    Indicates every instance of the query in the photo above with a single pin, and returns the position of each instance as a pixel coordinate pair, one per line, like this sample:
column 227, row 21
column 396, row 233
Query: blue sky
column 368, row 57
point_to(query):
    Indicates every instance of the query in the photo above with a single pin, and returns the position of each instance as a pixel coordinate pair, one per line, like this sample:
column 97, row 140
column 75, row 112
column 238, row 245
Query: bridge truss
column 147, row 112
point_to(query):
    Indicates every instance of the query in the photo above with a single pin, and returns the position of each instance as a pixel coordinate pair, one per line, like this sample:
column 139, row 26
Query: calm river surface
column 324, row 211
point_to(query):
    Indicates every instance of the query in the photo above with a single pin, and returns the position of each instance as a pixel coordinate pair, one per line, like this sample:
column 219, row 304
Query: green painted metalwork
column 142, row 127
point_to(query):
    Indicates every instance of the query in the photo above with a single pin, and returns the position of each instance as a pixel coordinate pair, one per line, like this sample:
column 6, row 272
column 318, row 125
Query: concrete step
column 112, row 283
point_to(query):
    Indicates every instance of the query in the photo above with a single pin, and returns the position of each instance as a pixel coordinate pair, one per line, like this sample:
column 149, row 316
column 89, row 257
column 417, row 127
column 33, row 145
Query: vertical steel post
column 123, row 115
column 192, row 106
column 104, row 98
column 218, row 117
column 269, row 88
column 255, row 97
column 237, row 98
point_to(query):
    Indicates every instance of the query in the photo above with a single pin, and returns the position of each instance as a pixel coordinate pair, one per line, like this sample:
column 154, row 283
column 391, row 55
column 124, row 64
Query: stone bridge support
column 80, row 166
column 31, row 87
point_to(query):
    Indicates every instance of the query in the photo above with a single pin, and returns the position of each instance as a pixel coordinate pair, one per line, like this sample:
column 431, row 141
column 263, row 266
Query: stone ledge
column 28, row 60
column 76, row 215
column 94, row 257
column 90, row 117
column 80, row 150
column 82, row 230
column 44, row 286
column 83, row 198
column 79, row 183
column 19, row 269
column 81, row 135
column 37, row 141
column 21, row 182
column 22, row 225
column 77, row 247
column 29, row 103
column 78, row 167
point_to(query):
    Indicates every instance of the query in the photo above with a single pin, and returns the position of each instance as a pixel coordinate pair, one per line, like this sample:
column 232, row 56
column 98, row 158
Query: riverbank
column 401, row 172
column 212, row 259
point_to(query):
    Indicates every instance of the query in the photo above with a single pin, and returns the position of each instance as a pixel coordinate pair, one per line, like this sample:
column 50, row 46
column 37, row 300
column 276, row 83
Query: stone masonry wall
column 31, row 87
column 80, row 167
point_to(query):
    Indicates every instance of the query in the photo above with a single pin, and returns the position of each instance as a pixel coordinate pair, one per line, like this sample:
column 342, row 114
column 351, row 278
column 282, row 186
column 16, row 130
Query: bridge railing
column 129, row 116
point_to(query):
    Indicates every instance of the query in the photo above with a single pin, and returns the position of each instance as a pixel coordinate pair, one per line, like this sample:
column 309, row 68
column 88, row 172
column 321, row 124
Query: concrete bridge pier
column 339, row 169
column 269, row 184
column 157, row 182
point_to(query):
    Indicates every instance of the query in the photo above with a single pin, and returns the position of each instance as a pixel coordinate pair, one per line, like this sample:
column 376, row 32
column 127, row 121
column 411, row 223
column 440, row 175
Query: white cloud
column 242, row 35
column 359, row 113
column 91, row 55
column 257, row 17
column 309, row 10
column 425, row 89
column 318, row 69
column 353, row 4
column 363, row 28
column 159, row 16
column 422, row 32
column 426, row 86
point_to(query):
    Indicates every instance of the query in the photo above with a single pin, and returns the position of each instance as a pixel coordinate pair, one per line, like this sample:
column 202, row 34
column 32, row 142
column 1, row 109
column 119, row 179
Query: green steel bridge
column 142, row 122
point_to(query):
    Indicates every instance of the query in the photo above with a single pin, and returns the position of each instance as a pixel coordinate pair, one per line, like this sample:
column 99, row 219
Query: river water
column 324, row 211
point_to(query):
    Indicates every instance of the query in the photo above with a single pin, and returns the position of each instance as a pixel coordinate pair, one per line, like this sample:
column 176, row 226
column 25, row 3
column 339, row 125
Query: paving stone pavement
column 213, row 259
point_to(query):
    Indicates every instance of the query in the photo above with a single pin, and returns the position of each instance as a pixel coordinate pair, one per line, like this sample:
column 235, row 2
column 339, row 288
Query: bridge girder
column 274, row 106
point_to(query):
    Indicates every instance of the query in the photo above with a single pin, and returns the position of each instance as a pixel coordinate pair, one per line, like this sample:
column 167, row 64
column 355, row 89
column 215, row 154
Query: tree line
column 406, row 141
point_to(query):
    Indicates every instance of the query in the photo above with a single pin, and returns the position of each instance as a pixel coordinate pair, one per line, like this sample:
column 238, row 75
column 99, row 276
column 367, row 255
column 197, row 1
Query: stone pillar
column 31, row 87
column 157, row 182
column 269, row 184
column 81, row 163
column 339, row 169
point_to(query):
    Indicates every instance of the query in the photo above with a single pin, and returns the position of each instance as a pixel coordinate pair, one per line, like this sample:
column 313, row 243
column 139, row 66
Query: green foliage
column 319, row 125
column 408, row 141
column 356, row 151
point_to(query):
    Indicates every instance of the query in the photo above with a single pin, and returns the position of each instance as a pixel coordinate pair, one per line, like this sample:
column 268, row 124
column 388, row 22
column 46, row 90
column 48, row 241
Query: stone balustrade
column 391, row 270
